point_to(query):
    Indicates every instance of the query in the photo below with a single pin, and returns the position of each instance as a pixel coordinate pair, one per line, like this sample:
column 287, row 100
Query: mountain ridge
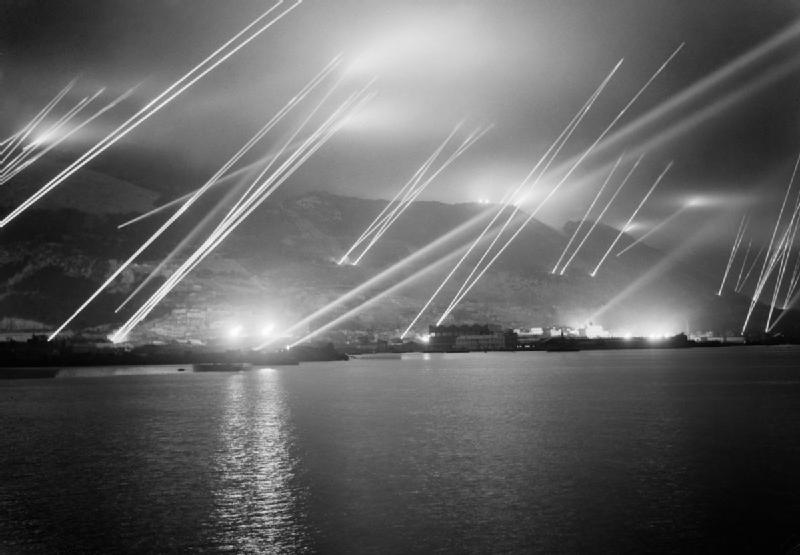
column 280, row 266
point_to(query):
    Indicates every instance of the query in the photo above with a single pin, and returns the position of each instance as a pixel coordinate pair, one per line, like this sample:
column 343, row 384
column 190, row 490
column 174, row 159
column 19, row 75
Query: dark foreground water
column 627, row 451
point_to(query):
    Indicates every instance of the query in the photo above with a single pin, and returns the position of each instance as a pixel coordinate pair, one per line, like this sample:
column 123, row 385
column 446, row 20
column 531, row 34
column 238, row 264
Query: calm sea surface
column 590, row 452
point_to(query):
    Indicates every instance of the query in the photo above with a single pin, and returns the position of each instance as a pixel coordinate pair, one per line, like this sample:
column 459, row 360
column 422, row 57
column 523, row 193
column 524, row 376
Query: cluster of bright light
column 237, row 331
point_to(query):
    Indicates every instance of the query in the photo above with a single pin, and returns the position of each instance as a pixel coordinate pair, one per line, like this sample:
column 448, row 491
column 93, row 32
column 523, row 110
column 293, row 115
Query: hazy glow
column 267, row 329
column 235, row 332
column 415, row 48
column 8, row 175
column 658, row 269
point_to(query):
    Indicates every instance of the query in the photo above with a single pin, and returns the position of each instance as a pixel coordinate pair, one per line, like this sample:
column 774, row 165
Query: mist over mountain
column 280, row 266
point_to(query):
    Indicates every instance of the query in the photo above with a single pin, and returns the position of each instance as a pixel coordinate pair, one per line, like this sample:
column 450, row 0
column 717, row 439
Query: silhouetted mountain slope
column 88, row 190
column 280, row 266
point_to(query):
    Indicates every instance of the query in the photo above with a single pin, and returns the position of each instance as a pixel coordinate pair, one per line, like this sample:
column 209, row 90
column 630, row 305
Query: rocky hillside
column 280, row 266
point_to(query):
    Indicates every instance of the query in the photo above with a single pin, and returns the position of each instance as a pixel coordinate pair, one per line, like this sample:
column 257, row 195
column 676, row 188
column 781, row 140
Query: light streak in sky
column 792, row 283
column 433, row 266
column 792, row 295
column 26, row 156
column 514, row 197
column 223, row 229
column 750, row 269
column 8, row 139
column 753, row 57
column 663, row 223
column 768, row 265
column 771, row 265
column 417, row 256
column 47, row 134
column 264, row 164
column 744, row 263
column 785, row 250
column 397, row 201
column 198, row 193
column 244, row 170
column 734, row 249
column 603, row 211
column 622, row 230
column 21, row 135
column 254, row 190
column 791, row 230
column 7, row 177
column 466, row 144
column 413, row 192
column 548, row 158
column 659, row 269
column 796, row 272
column 255, row 198
column 208, row 247
column 672, row 132
column 701, row 115
column 192, row 235
column 566, row 176
column 27, row 149
column 585, row 217
column 187, row 80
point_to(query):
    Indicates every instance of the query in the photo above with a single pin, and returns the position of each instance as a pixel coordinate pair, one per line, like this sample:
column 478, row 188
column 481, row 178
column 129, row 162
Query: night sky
column 525, row 66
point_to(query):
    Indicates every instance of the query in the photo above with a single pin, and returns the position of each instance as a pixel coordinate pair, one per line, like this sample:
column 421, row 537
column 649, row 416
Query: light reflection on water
column 255, row 500
column 615, row 452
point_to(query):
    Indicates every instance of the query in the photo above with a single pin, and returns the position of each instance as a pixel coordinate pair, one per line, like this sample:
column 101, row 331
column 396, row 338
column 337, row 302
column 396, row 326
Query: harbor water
column 688, row 450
